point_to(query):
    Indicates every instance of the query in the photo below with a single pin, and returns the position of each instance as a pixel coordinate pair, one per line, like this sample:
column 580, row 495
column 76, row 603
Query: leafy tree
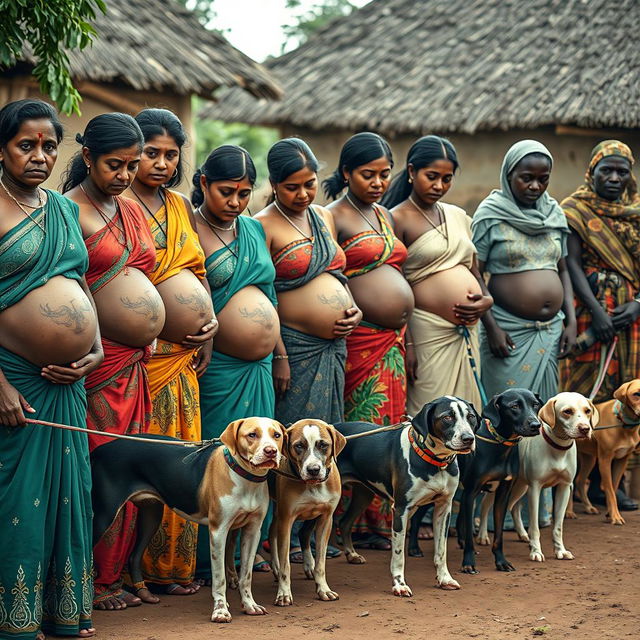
column 49, row 28
column 313, row 19
column 204, row 10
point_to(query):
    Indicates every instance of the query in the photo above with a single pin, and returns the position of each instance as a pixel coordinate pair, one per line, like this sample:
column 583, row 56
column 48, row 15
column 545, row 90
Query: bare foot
column 109, row 603
column 146, row 596
column 129, row 599
column 176, row 589
column 425, row 532
column 86, row 633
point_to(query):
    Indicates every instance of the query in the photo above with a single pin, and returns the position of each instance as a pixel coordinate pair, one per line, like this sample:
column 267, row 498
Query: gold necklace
column 362, row 214
column 22, row 205
column 311, row 239
column 213, row 228
column 441, row 218
column 231, row 227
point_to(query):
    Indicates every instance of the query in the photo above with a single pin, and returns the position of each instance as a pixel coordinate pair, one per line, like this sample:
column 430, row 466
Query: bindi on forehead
column 40, row 135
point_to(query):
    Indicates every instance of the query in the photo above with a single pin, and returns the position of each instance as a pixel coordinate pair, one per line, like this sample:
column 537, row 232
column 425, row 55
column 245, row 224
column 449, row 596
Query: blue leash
column 464, row 331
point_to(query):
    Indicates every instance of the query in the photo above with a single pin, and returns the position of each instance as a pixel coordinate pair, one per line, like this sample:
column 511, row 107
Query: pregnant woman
column 49, row 341
column 238, row 382
column 130, row 311
column 442, row 270
column 375, row 380
column 184, row 344
column 521, row 234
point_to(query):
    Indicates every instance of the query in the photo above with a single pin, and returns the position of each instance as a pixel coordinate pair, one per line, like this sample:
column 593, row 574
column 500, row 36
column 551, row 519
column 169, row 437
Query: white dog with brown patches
column 308, row 488
column 236, row 497
column 550, row 460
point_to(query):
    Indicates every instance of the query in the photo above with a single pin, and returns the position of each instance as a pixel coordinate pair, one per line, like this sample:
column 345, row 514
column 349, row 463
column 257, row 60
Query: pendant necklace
column 441, row 218
column 166, row 213
column 22, row 205
column 311, row 239
column 213, row 228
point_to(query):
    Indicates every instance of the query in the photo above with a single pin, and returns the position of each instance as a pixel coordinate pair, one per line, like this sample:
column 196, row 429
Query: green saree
column 45, row 480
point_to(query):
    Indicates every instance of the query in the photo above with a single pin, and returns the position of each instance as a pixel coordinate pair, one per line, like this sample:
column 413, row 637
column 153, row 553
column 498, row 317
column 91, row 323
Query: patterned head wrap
column 606, row 149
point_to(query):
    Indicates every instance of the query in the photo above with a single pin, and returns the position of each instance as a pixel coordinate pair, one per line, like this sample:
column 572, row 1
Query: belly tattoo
column 339, row 301
column 196, row 302
column 261, row 315
column 144, row 305
column 69, row 315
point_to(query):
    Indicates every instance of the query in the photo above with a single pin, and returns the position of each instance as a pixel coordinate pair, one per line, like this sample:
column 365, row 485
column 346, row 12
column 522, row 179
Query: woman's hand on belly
column 203, row 341
column 343, row 327
column 13, row 405
column 470, row 312
column 76, row 370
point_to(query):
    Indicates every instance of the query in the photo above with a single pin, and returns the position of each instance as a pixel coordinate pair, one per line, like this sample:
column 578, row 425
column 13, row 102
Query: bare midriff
column 533, row 295
column 384, row 296
column 187, row 306
column 248, row 326
column 53, row 324
column 439, row 292
column 130, row 309
column 315, row 307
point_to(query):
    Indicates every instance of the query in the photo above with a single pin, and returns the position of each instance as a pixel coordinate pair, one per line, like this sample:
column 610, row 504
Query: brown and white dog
column 550, row 460
column 223, row 487
column 611, row 446
column 307, row 488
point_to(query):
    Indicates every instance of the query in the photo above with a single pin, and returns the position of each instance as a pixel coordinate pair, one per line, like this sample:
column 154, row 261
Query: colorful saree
column 317, row 365
column 232, row 388
column 173, row 384
column 375, row 386
column 118, row 398
column 610, row 235
column 45, row 480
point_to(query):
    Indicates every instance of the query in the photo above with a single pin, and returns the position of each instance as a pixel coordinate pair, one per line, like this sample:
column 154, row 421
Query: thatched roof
column 417, row 66
column 160, row 45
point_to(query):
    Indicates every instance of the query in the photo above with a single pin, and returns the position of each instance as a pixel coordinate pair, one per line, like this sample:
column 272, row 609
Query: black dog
column 507, row 418
column 412, row 466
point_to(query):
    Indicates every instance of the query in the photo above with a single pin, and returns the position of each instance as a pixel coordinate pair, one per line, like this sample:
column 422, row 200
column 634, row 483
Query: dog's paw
column 355, row 558
column 591, row 510
column 327, row 595
column 283, row 600
column 505, row 565
column 564, row 554
column 308, row 572
column 570, row 515
column 448, row 584
column 470, row 569
column 232, row 581
column 221, row 615
column 402, row 590
column 523, row 537
column 415, row 552
column 536, row 556
column 483, row 540
column 254, row 609
column 619, row 520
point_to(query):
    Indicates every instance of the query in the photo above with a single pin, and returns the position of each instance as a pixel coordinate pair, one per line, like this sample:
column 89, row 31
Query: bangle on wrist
column 285, row 357
column 408, row 344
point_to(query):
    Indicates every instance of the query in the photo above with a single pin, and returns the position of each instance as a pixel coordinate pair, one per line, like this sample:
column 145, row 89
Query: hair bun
column 196, row 178
column 80, row 138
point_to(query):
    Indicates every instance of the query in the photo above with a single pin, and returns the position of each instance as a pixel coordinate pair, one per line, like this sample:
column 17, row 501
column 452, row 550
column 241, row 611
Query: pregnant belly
column 187, row 305
column 53, row 324
column 315, row 307
column 130, row 309
column 534, row 295
column 248, row 326
column 384, row 296
column 441, row 291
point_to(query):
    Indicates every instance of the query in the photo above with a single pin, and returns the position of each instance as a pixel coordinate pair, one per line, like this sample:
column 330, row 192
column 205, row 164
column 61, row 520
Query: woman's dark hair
column 12, row 116
column 289, row 156
column 104, row 133
column 160, row 122
column 228, row 162
column 357, row 150
column 422, row 153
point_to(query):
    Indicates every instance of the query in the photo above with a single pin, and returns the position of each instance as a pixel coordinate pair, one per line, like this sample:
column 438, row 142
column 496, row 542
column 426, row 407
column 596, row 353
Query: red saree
column 118, row 398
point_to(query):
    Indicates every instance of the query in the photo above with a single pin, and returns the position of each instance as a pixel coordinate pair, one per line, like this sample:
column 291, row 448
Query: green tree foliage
column 310, row 21
column 49, row 28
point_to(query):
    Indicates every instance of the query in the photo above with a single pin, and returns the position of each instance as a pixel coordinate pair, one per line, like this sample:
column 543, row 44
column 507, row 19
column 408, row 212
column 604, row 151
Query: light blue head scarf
column 501, row 206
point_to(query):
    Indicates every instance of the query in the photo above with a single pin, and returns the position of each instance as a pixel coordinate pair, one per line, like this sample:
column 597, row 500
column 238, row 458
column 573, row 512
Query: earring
column 175, row 173
column 410, row 180
column 88, row 169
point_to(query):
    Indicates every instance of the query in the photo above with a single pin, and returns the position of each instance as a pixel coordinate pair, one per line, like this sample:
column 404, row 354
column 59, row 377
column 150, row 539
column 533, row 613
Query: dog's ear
column 229, row 437
column 338, row 441
column 491, row 410
column 476, row 414
column 424, row 417
column 548, row 412
column 622, row 392
column 594, row 418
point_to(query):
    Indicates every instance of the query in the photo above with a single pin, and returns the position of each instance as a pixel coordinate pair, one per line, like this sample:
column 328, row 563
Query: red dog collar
column 427, row 455
column 553, row 444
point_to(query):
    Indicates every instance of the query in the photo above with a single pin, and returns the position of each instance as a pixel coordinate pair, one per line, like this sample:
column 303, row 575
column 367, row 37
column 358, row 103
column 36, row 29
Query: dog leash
column 603, row 367
column 390, row 427
column 464, row 330
column 618, row 412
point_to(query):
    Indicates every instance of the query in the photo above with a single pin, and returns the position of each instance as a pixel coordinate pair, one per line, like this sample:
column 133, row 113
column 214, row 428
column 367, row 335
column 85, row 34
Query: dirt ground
column 593, row 597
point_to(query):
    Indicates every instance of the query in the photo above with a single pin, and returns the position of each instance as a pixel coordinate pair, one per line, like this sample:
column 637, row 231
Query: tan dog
column 235, row 496
column 310, row 490
column 611, row 446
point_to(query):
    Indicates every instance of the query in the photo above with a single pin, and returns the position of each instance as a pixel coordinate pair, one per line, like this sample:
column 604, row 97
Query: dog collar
column 619, row 413
column 240, row 470
column 553, row 443
column 497, row 438
column 419, row 446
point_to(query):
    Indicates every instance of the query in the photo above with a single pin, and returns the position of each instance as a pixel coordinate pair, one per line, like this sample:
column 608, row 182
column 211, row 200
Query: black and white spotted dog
column 412, row 466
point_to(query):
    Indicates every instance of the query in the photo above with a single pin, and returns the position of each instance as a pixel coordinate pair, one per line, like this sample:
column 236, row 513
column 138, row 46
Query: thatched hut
column 148, row 53
column 485, row 73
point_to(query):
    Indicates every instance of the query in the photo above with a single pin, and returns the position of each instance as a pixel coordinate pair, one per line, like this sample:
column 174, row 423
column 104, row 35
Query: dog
column 614, row 440
column 410, row 467
column 307, row 487
column 550, row 459
column 220, row 486
column 507, row 418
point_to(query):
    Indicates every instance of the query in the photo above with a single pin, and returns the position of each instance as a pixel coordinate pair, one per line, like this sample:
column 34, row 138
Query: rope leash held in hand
column 464, row 330
column 603, row 367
